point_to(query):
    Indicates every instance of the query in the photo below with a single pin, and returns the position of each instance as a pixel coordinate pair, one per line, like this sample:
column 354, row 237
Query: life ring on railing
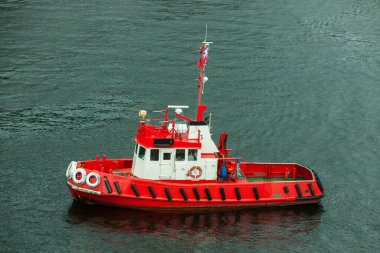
column 83, row 173
column 195, row 172
column 97, row 179
column 72, row 166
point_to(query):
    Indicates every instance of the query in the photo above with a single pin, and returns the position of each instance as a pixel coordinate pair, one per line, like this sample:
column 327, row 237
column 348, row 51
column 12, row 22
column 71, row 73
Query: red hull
column 163, row 196
column 175, row 208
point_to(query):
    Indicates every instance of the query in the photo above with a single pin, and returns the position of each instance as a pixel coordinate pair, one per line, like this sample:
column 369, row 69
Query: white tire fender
column 72, row 166
column 83, row 176
column 97, row 179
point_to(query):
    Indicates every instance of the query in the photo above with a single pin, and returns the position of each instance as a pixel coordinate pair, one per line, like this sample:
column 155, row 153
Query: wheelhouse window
column 142, row 152
column 192, row 154
column 154, row 154
column 166, row 156
column 180, row 155
column 136, row 147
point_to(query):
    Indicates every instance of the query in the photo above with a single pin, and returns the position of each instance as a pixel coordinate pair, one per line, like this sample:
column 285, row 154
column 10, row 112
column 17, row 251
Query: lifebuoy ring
column 97, row 179
column 72, row 166
column 194, row 174
column 83, row 176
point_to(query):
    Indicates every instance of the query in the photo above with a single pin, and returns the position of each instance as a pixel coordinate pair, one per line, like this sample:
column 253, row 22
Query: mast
column 202, row 79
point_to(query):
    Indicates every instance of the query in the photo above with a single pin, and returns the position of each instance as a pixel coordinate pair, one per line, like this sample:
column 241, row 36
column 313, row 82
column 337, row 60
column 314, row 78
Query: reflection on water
column 282, row 223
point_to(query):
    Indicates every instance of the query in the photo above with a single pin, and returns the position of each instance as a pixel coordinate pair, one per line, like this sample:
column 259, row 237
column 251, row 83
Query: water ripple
column 93, row 112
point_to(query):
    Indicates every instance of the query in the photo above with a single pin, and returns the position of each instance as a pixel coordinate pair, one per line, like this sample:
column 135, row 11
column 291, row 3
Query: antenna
column 202, row 78
column 206, row 34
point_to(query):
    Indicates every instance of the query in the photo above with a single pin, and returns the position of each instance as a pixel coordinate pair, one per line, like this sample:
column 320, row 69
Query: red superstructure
column 176, row 166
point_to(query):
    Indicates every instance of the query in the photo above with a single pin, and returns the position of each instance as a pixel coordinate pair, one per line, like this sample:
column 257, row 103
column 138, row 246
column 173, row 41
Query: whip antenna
column 206, row 34
column 202, row 79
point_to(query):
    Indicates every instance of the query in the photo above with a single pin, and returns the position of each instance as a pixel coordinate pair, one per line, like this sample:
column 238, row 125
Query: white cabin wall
column 152, row 168
column 208, row 166
column 180, row 170
column 208, row 145
column 182, row 167
column 138, row 166
column 174, row 170
column 210, row 171
column 166, row 167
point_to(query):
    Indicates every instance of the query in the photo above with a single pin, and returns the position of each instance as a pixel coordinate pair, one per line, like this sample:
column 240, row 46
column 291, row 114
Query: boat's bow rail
column 165, row 135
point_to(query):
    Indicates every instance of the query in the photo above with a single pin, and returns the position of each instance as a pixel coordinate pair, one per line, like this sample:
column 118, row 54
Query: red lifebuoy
column 191, row 173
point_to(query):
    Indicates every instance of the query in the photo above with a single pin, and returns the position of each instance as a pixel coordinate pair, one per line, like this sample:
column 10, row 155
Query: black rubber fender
column 184, row 195
column 108, row 186
column 299, row 192
column 238, row 195
column 310, row 198
column 208, row 194
column 311, row 189
column 196, row 193
column 151, row 190
column 134, row 188
column 319, row 183
column 256, row 192
column 168, row 195
column 117, row 186
column 222, row 193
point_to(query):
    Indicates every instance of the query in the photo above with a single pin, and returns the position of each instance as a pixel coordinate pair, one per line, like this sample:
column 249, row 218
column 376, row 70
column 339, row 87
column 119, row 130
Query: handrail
column 173, row 132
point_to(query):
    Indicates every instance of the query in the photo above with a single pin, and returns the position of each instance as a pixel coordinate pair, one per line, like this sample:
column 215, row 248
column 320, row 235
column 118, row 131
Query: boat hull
column 159, row 196
column 151, row 206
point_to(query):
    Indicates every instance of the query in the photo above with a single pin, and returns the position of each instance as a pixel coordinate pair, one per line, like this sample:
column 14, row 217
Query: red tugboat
column 177, row 167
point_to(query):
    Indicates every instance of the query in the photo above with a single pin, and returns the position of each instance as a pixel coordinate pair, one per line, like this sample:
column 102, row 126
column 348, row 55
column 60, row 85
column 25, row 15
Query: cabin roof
column 151, row 136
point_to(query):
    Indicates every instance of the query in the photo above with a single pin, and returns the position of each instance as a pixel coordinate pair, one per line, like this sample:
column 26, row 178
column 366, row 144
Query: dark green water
column 290, row 81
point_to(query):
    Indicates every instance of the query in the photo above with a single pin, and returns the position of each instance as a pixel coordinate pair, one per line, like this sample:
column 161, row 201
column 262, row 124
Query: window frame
column 196, row 155
column 157, row 157
column 163, row 156
column 136, row 147
column 142, row 157
column 184, row 155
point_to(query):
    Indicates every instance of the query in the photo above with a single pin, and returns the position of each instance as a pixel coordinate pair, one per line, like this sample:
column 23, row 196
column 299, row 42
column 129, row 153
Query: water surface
column 290, row 81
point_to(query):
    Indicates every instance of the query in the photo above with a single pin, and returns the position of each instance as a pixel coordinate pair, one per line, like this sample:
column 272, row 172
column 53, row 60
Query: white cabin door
column 180, row 164
column 166, row 163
